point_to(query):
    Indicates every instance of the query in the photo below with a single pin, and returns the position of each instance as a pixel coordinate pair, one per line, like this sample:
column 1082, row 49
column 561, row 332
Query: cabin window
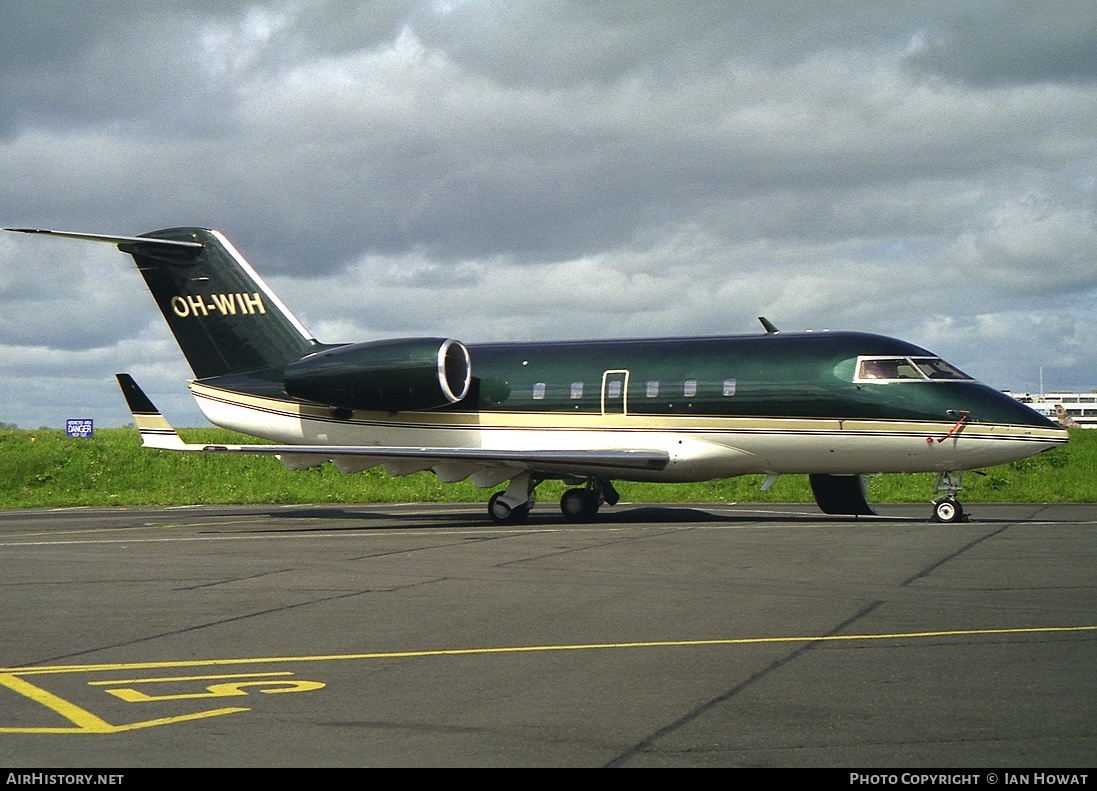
column 538, row 391
column 689, row 388
column 576, row 389
column 729, row 386
column 653, row 388
column 613, row 388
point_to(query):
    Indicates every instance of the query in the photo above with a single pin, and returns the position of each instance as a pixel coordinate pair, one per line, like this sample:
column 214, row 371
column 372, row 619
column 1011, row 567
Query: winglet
column 155, row 431
column 769, row 326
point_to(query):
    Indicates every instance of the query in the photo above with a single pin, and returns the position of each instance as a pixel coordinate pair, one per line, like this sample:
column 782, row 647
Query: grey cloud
column 610, row 168
column 992, row 44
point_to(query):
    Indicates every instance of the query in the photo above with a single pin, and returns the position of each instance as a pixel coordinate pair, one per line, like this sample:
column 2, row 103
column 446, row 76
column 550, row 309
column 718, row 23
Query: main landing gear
column 947, row 509
column 581, row 505
column 513, row 505
column 503, row 514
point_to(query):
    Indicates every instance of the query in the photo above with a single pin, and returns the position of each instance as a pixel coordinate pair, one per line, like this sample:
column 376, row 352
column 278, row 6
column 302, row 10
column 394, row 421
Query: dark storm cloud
column 66, row 65
column 499, row 170
column 1002, row 43
column 589, row 122
column 173, row 69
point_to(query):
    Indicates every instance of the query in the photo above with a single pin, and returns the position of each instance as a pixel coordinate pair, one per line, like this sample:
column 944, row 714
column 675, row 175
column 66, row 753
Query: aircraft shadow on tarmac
column 328, row 518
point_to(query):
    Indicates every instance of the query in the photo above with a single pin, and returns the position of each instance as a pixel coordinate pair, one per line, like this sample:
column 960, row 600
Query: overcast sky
column 524, row 170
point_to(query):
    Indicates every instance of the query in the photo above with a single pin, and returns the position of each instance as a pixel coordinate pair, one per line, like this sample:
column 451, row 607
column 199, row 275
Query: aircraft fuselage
column 723, row 406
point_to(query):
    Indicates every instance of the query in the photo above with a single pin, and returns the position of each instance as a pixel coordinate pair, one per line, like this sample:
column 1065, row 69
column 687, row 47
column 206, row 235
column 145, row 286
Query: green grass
column 44, row 468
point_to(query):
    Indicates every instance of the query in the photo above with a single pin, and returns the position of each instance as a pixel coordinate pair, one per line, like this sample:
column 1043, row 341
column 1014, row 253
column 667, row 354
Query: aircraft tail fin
column 224, row 317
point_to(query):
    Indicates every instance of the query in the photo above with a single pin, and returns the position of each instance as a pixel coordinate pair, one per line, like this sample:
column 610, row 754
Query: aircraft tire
column 579, row 505
column 503, row 514
column 947, row 510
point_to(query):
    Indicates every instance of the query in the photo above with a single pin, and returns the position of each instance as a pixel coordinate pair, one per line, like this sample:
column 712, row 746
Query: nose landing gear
column 947, row 509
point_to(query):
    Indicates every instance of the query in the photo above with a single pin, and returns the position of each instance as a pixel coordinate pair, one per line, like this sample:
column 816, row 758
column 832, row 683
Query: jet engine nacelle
column 392, row 375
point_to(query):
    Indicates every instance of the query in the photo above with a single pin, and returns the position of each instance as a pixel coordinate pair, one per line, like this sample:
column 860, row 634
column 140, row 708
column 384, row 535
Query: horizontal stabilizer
column 98, row 237
column 155, row 431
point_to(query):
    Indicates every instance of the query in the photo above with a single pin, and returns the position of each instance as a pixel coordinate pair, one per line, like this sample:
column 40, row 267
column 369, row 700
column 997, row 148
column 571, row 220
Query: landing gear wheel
column 503, row 514
column 579, row 505
column 947, row 510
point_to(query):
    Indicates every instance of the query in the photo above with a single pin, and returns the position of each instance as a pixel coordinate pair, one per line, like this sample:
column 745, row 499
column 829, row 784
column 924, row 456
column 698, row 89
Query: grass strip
column 45, row 469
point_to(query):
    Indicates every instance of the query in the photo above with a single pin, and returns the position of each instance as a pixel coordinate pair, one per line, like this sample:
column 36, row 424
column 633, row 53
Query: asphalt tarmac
column 659, row 636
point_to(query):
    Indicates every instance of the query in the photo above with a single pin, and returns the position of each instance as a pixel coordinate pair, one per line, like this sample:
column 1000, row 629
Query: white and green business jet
column 834, row 406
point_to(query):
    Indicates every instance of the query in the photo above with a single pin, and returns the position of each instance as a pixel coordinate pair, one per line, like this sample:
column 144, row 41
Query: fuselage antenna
column 770, row 329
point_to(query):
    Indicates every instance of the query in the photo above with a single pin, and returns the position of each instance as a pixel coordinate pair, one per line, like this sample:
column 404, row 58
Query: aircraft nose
column 996, row 407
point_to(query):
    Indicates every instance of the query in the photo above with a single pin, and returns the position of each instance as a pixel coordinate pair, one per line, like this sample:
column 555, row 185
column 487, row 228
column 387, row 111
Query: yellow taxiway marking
column 50, row 669
column 163, row 679
column 83, row 721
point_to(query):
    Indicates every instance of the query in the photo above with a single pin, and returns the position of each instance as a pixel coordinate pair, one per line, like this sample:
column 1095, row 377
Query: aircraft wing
column 487, row 467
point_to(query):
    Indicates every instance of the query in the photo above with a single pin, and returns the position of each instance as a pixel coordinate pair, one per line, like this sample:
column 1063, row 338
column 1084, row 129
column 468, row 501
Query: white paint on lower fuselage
column 704, row 448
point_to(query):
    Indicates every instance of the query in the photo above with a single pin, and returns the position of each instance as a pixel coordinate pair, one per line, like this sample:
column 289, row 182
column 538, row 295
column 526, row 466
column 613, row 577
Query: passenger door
column 615, row 392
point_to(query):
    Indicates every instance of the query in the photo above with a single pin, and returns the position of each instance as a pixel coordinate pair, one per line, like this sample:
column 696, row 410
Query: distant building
column 1073, row 410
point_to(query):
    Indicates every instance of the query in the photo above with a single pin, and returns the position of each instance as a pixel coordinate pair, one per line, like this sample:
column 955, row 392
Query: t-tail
column 224, row 317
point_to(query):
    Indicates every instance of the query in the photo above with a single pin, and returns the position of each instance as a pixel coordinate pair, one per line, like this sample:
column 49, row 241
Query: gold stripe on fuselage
column 565, row 421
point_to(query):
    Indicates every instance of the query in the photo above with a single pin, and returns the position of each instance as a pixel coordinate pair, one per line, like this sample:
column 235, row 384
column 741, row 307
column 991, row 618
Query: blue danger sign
column 79, row 428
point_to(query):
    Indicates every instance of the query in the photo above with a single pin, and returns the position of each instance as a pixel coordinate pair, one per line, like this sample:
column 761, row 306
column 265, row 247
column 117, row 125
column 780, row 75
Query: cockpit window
column 905, row 369
column 889, row 369
column 936, row 368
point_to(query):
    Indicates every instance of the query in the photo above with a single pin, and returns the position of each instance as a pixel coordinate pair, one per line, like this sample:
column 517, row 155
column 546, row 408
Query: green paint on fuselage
column 776, row 375
column 808, row 375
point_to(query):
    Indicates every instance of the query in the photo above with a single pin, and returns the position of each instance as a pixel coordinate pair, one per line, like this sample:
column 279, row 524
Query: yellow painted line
column 83, row 721
column 187, row 678
column 201, row 715
column 230, row 689
column 133, row 726
column 108, row 667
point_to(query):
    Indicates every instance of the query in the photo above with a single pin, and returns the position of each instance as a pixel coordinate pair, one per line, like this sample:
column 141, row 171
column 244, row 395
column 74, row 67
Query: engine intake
column 392, row 376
